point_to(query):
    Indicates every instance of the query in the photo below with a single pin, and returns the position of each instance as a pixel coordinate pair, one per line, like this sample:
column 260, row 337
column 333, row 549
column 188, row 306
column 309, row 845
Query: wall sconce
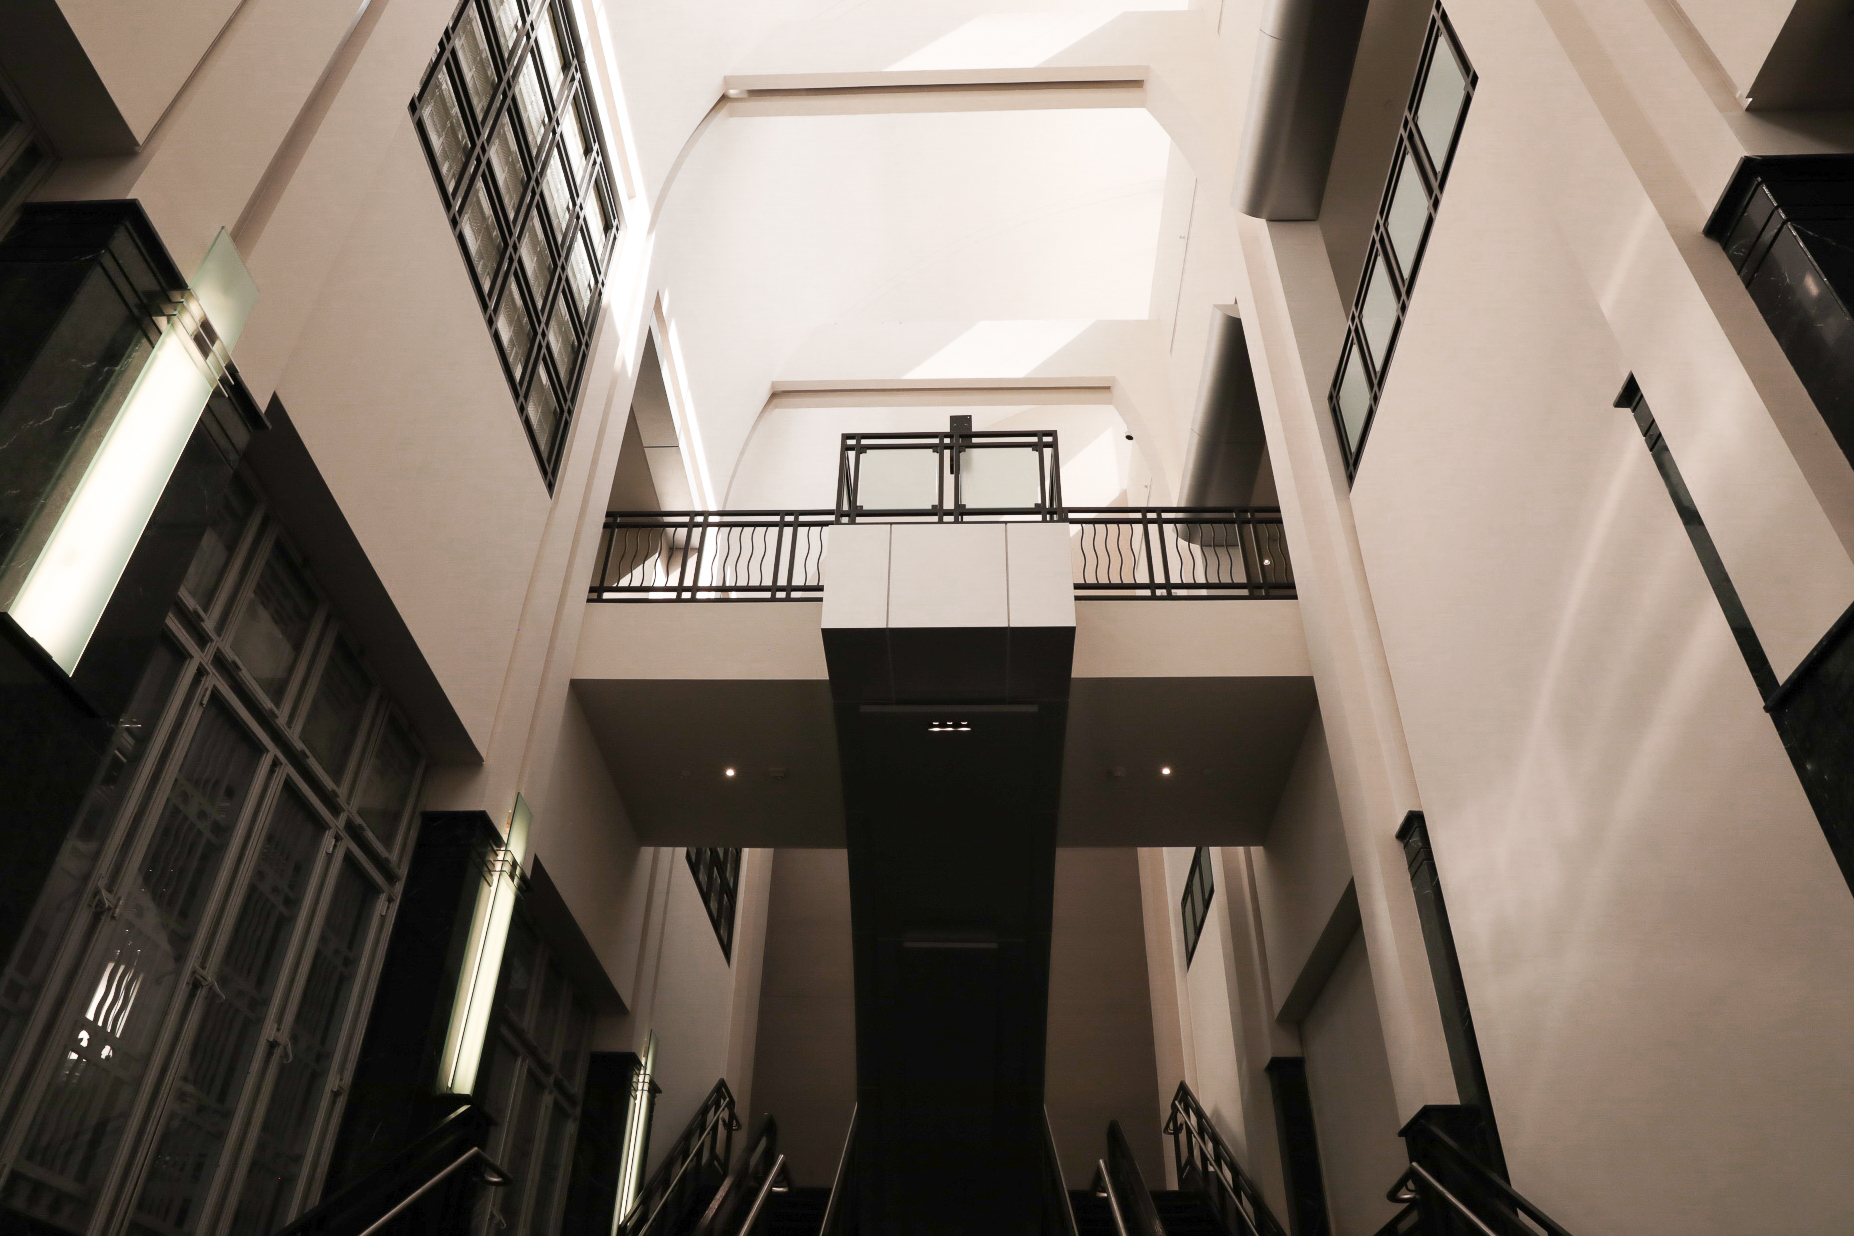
column 489, row 937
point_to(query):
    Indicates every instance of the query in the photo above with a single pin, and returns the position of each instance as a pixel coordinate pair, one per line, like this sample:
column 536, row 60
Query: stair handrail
column 1492, row 1216
column 366, row 1204
column 707, row 1139
column 835, row 1206
column 1060, row 1207
column 752, row 1172
column 1102, row 1187
column 1204, row 1162
column 1127, row 1191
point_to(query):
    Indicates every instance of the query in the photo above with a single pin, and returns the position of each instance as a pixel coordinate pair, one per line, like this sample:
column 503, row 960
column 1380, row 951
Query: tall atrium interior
column 927, row 617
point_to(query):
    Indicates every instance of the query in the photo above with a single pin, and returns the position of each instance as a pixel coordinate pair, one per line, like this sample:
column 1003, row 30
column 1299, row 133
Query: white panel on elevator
column 856, row 569
column 948, row 575
column 1041, row 590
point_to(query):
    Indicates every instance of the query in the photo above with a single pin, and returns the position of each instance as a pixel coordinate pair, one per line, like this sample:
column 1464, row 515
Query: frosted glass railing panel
column 898, row 480
column 1000, row 477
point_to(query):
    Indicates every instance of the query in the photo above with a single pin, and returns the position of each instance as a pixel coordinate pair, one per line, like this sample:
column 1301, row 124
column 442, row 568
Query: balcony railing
column 1117, row 553
column 712, row 556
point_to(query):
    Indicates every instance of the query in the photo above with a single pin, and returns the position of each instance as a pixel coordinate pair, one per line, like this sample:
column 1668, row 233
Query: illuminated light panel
column 489, row 937
column 71, row 583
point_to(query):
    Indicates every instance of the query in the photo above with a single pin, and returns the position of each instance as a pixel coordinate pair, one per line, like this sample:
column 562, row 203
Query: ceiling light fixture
column 1166, row 771
column 728, row 772
column 949, row 727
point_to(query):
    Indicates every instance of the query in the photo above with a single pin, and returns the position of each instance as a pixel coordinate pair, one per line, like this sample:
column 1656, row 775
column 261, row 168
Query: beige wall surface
column 1354, row 1111
column 1739, row 32
column 690, row 1008
column 1301, row 872
column 581, row 832
column 1653, row 933
column 395, row 387
column 1100, row 1045
column 1214, row 1056
column 144, row 53
column 805, row 1067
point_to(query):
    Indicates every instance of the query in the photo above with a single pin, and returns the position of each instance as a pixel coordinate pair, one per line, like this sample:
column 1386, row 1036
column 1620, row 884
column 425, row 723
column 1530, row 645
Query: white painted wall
column 1354, row 1111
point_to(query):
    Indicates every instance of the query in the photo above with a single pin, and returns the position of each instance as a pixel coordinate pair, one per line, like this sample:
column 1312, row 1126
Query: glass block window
column 717, row 876
column 508, row 124
column 1194, row 906
column 1426, row 140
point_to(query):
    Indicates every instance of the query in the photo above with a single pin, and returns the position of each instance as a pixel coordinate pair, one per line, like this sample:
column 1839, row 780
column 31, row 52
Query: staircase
column 1185, row 1214
column 795, row 1212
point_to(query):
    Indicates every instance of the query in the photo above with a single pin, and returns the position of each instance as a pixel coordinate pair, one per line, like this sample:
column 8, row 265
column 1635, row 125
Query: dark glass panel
column 298, row 1096
column 338, row 708
column 553, row 1161
column 234, row 1008
column 516, row 984
column 274, row 628
column 30, row 969
column 139, row 962
column 547, row 1012
column 386, row 790
column 207, row 570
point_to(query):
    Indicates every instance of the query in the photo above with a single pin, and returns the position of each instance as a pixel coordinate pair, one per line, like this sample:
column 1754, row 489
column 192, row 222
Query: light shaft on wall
column 489, row 937
column 71, row 581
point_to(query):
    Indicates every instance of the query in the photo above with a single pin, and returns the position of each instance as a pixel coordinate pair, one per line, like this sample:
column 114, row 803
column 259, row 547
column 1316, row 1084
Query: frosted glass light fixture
column 81, row 537
column 489, row 936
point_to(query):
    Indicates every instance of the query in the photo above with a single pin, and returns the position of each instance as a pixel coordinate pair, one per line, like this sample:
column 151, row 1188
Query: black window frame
column 717, row 878
column 549, row 299
column 1382, row 252
column 1200, row 891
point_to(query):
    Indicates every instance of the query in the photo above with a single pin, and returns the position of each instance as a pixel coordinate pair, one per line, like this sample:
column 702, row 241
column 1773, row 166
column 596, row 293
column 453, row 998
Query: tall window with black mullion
column 1426, row 140
column 717, row 878
column 508, row 122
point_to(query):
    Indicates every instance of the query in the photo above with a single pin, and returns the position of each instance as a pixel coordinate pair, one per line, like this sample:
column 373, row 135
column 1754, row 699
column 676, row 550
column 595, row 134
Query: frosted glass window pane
column 1378, row 315
column 999, row 477
column 1408, row 215
column 1354, row 398
column 1443, row 96
column 898, row 480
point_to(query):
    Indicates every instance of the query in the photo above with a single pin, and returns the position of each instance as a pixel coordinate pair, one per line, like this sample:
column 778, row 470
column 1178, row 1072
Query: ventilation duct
column 1303, row 67
column 1226, row 454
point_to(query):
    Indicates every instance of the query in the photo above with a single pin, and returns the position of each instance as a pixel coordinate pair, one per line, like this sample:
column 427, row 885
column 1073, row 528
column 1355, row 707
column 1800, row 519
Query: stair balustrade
column 1206, row 1167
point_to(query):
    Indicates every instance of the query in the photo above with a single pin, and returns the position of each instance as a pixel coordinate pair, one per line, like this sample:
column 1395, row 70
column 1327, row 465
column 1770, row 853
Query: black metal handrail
column 837, row 1209
column 950, row 502
column 1128, row 1195
column 756, row 1172
column 711, row 556
column 1058, row 1210
column 1118, row 553
column 1456, row 1194
column 408, row 1177
column 695, row 1164
column 1179, row 552
column 1206, row 1166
